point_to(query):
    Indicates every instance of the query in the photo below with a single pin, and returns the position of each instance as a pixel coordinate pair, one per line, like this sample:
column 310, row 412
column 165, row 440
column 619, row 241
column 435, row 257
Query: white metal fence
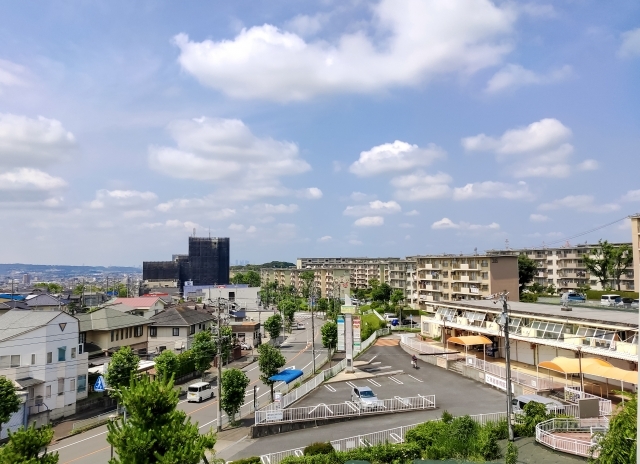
column 546, row 434
column 573, row 394
column 395, row 435
column 346, row 409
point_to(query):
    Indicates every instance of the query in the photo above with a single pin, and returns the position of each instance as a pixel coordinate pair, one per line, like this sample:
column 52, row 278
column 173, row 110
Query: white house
column 41, row 352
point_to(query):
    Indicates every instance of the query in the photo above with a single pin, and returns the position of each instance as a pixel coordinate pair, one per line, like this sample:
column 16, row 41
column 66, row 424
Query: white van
column 520, row 401
column 199, row 391
column 610, row 300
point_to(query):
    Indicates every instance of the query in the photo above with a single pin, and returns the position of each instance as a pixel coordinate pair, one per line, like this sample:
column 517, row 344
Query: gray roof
column 577, row 314
column 176, row 317
column 108, row 319
column 43, row 299
column 19, row 321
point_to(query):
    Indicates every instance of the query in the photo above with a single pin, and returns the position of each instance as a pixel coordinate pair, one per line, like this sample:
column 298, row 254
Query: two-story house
column 41, row 352
column 145, row 306
column 175, row 328
column 106, row 330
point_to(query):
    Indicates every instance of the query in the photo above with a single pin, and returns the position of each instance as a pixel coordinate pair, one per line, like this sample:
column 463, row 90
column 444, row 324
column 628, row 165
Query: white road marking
column 80, row 441
column 252, row 369
column 396, row 380
column 414, row 378
column 351, row 384
column 374, row 383
column 330, row 388
column 210, row 422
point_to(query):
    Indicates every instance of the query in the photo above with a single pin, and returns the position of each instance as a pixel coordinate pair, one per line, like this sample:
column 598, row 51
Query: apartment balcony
column 464, row 266
column 429, row 266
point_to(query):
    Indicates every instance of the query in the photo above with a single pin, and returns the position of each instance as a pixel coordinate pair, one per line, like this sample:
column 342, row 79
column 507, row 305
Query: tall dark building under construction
column 206, row 264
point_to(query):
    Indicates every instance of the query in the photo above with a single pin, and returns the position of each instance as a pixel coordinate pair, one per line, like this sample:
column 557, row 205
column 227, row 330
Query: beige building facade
column 635, row 243
column 329, row 282
column 464, row 277
column 362, row 270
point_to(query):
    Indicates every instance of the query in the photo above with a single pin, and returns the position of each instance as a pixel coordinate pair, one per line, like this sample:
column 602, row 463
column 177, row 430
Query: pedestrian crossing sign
column 99, row 385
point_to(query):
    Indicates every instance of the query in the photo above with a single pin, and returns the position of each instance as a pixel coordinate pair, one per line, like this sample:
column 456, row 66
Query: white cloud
column 137, row 213
column 539, row 150
column 359, row 196
column 583, row 203
column 588, row 165
column 355, row 242
column 421, row 186
column 226, row 151
column 369, row 221
column 446, row 223
column 326, row 238
column 631, row 195
column 538, row 218
column 27, row 179
column 630, row 46
column 413, row 212
column 251, row 229
column 405, row 43
column 33, row 142
column 311, row 193
column 513, row 76
column 122, row 198
column 178, row 224
column 488, row 189
column 236, row 227
column 307, row 26
column 374, row 207
column 11, row 75
column 267, row 208
column 396, row 156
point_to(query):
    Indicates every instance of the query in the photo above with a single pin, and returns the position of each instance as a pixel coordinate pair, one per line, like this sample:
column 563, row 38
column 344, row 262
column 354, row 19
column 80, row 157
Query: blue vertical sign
column 99, row 385
column 340, row 333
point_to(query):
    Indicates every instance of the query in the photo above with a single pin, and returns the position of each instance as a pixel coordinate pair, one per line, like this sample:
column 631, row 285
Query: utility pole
column 313, row 342
column 219, row 421
column 504, row 321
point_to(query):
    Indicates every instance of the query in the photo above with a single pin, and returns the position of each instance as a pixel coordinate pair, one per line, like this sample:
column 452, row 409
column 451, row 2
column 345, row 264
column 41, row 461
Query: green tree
column 288, row 308
column 308, row 278
column 25, row 446
column 600, row 262
column 9, row 401
column 238, row 278
column 123, row 364
column 203, row 349
column 273, row 326
column 551, row 289
column 619, row 444
column 322, row 305
column 621, row 259
column 396, row 297
column 536, row 288
column 527, row 269
column 51, row 287
column 381, row 293
column 252, row 278
column 167, row 365
column 234, row 385
column 329, row 332
column 226, row 342
column 155, row 432
column 269, row 361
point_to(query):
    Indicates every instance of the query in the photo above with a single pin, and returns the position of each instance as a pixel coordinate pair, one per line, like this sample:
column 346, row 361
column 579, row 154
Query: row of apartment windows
column 128, row 332
column 175, row 331
column 81, row 384
column 16, row 360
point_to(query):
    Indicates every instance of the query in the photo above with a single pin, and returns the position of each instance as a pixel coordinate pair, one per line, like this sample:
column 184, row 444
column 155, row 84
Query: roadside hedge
column 596, row 294
column 251, row 460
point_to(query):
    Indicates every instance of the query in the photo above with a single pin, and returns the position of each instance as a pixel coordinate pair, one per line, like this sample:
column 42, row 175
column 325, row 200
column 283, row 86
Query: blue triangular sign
column 99, row 386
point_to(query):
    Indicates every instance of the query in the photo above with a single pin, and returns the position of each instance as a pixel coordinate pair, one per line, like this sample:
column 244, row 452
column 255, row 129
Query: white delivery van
column 199, row 391
column 520, row 401
column 610, row 300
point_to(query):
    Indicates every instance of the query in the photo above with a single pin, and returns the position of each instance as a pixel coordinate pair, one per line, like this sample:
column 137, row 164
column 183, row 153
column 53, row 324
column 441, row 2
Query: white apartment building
column 330, row 282
column 362, row 269
column 563, row 267
column 40, row 351
column 463, row 277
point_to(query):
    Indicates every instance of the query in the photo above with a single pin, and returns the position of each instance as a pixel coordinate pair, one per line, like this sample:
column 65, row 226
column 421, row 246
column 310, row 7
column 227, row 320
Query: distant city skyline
column 383, row 127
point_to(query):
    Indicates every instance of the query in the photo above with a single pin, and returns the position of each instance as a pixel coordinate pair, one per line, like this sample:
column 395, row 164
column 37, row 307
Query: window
column 176, row 331
column 48, row 391
column 153, row 331
column 72, row 385
column 62, row 353
column 60, row 386
column 117, row 335
column 121, row 334
column 49, row 357
column 138, row 331
column 82, row 338
column 73, row 353
column 31, row 393
column 192, row 329
column 82, row 383
column 15, row 360
column 113, row 335
column 33, row 359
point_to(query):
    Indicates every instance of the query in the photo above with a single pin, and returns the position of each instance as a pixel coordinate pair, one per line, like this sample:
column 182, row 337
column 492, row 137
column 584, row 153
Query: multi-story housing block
column 563, row 267
column 329, row 282
column 400, row 275
column 42, row 353
column 635, row 243
column 362, row 269
column 463, row 277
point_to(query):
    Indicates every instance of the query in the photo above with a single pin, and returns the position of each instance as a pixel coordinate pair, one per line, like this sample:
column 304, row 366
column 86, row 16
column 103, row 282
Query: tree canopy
column 166, row 364
column 270, row 359
column 123, row 364
column 9, row 401
column 203, row 349
column 234, row 385
column 527, row 269
column 25, row 446
column 273, row 326
column 250, row 277
column 329, row 332
column 619, row 444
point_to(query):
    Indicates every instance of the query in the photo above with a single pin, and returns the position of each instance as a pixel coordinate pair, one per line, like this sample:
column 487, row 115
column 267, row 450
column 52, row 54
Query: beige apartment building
column 362, row 269
column 563, row 267
column 635, row 243
column 400, row 274
column 329, row 282
column 463, row 277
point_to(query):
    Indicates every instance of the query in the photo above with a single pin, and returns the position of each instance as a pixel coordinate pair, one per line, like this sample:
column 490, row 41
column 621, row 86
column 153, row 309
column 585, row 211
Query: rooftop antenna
column 475, row 251
column 194, row 232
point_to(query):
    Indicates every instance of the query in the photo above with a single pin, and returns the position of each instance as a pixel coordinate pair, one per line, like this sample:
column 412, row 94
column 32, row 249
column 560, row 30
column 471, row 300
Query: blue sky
column 383, row 128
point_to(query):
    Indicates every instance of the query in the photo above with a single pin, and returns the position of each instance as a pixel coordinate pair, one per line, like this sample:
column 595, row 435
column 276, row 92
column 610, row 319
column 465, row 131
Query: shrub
column 318, row 448
column 534, row 413
column 512, row 454
column 251, row 460
column 528, row 297
column 596, row 294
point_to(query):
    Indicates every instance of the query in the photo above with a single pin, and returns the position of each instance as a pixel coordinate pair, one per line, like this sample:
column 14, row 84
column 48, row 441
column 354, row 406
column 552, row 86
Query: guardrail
column 346, row 409
column 395, row 435
column 96, row 420
column 573, row 394
column 545, row 434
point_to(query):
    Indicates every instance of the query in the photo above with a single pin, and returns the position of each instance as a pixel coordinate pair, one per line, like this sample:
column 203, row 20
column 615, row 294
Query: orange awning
column 470, row 340
column 572, row 365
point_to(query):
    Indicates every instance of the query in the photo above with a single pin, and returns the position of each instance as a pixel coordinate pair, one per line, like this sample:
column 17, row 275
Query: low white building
column 40, row 351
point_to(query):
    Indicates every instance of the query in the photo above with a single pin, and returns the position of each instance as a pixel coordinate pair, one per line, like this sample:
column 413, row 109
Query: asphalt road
column 454, row 393
column 91, row 447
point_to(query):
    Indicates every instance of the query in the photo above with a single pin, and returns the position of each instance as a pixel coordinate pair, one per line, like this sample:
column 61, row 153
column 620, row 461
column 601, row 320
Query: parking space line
column 396, row 380
column 414, row 378
column 351, row 384
column 374, row 382
column 330, row 388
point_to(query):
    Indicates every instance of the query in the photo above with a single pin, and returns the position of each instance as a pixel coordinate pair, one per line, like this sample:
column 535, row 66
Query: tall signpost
column 348, row 340
column 340, row 347
column 356, row 334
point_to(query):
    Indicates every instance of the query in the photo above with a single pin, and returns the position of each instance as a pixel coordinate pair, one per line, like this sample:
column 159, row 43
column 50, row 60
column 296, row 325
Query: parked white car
column 610, row 300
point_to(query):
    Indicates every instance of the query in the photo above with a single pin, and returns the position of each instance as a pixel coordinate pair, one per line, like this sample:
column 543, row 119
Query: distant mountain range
column 65, row 270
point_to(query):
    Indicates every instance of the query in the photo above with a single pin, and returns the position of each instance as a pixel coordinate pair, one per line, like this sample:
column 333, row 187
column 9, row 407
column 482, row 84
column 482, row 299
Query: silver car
column 365, row 398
